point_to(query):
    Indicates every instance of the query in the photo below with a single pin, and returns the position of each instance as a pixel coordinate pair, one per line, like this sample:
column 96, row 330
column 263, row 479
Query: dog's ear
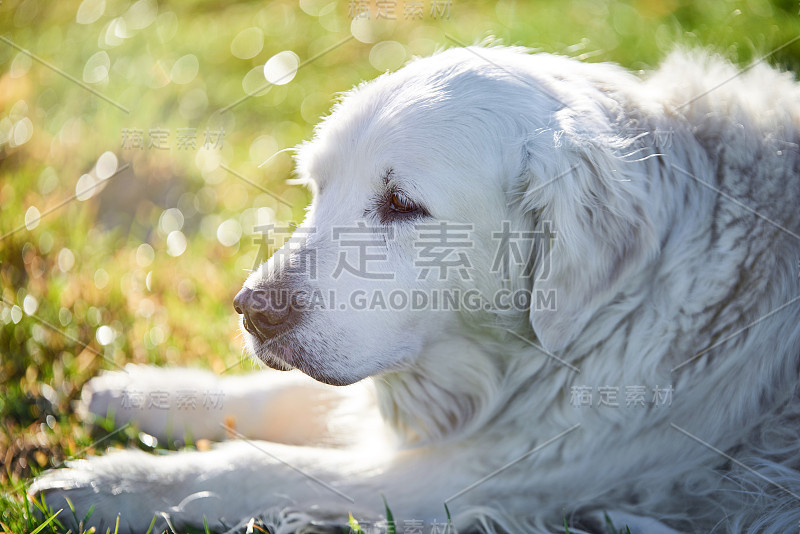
column 589, row 202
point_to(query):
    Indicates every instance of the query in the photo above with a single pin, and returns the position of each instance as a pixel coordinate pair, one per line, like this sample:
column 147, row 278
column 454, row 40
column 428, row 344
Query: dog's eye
column 401, row 204
column 395, row 206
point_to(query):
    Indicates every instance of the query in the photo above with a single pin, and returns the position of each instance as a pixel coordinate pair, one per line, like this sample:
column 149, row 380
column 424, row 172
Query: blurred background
column 131, row 134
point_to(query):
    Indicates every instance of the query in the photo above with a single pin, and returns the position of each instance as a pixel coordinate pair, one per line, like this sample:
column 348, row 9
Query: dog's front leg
column 242, row 479
column 181, row 404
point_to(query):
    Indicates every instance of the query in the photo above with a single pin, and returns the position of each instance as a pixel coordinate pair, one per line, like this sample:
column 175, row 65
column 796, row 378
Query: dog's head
column 472, row 183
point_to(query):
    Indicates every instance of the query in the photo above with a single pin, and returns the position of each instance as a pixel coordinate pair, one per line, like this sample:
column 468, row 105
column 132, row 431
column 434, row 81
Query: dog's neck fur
column 440, row 399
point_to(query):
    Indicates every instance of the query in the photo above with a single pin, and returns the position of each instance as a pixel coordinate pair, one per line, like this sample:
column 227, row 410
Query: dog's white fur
column 666, row 247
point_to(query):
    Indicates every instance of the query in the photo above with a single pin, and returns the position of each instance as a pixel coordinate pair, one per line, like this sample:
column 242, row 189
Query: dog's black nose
column 240, row 298
column 266, row 313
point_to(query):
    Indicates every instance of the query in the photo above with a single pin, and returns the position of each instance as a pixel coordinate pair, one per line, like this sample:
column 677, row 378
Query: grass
column 96, row 284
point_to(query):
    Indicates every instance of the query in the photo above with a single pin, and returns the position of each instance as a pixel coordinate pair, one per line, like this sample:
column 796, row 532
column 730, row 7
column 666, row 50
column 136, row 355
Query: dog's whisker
column 266, row 161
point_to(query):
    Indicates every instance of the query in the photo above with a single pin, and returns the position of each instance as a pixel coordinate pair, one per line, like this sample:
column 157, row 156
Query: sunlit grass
column 104, row 272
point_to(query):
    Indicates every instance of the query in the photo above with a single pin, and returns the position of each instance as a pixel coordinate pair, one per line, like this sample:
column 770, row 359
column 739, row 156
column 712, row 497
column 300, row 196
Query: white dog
column 575, row 292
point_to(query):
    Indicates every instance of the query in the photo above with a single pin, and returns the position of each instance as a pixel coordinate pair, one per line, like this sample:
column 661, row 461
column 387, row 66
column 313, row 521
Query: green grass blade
column 27, row 509
column 72, row 510
column 354, row 526
column 88, row 514
column 449, row 526
column 610, row 528
column 390, row 528
column 152, row 524
column 49, row 520
column 71, row 507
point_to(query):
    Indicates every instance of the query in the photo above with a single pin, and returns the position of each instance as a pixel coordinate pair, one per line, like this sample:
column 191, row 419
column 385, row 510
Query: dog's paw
column 86, row 501
column 132, row 487
column 170, row 404
column 114, row 393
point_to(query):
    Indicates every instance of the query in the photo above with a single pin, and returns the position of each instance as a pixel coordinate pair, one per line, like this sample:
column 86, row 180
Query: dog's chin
column 276, row 355
column 272, row 361
column 286, row 354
